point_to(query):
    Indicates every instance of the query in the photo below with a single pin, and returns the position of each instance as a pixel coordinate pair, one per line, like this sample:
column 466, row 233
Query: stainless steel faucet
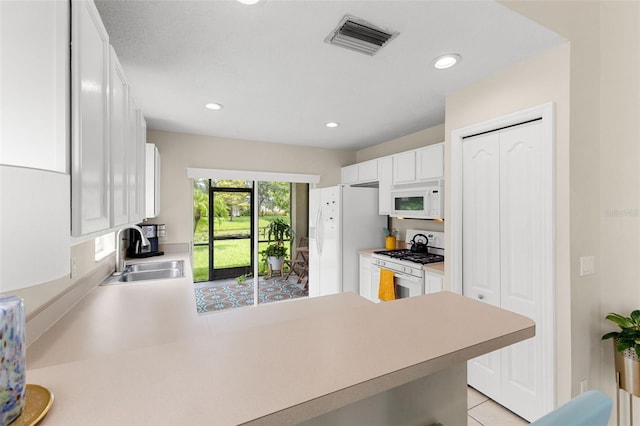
column 119, row 257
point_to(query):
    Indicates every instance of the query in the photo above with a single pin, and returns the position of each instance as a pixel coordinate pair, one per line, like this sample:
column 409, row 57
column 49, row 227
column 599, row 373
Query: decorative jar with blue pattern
column 13, row 359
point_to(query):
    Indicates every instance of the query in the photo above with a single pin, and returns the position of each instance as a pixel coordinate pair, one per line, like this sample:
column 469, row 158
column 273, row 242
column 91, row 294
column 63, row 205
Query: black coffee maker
column 152, row 232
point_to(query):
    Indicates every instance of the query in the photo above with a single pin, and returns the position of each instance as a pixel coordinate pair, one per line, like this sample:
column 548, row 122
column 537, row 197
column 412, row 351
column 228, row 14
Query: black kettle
column 419, row 243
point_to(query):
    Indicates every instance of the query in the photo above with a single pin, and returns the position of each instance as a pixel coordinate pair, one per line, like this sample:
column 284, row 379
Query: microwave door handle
column 427, row 202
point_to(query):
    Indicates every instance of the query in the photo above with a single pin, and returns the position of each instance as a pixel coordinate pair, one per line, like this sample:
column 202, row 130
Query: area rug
column 216, row 296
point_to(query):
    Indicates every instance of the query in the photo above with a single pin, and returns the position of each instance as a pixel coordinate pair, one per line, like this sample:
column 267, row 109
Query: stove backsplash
column 403, row 224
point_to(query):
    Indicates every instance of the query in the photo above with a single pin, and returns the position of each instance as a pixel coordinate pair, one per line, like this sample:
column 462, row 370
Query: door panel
column 481, row 245
column 231, row 245
column 480, row 219
column 523, row 251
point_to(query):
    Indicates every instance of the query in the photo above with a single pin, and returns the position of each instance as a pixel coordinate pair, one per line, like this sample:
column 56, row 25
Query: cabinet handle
column 481, row 296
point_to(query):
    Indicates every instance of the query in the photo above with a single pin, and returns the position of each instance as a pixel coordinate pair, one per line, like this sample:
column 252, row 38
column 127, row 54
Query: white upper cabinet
column 349, row 174
column 34, row 66
column 133, row 154
column 404, row 167
column 360, row 173
column 152, row 181
column 119, row 135
column 90, row 171
column 430, row 162
column 385, row 182
column 419, row 165
column 368, row 171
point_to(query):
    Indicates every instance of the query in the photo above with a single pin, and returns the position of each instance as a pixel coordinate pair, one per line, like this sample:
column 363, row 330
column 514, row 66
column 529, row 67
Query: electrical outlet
column 584, row 386
column 587, row 265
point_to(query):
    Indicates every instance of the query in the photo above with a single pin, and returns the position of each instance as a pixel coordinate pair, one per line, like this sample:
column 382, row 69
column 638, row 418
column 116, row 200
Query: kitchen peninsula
column 139, row 354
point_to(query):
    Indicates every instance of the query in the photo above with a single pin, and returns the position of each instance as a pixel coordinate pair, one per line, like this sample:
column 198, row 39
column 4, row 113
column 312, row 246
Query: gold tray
column 38, row 400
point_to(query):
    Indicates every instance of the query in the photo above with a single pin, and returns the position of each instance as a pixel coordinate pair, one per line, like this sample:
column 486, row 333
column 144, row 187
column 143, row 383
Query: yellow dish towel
column 387, row 289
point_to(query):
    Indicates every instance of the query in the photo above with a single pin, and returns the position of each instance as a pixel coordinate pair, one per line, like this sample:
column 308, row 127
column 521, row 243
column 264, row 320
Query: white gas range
column 407, row 264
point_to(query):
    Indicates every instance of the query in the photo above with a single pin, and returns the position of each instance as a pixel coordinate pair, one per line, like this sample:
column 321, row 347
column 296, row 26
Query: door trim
column 546, row 324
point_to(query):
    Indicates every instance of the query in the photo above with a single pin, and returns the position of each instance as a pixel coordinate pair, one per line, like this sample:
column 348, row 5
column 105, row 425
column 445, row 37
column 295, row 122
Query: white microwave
column 418, row 203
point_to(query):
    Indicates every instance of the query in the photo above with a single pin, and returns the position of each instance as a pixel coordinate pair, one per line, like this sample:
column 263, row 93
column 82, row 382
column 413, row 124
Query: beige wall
column 181, row 151
column 619, row 184
column 419, row 139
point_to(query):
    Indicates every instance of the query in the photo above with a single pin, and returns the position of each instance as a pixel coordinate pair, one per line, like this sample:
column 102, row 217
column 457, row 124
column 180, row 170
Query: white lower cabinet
column 433, row 283
column 365, row 276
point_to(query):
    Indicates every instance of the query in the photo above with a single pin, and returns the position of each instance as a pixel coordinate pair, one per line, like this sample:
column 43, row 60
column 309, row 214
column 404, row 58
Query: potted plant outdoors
column 626, row 348
column 277, row 231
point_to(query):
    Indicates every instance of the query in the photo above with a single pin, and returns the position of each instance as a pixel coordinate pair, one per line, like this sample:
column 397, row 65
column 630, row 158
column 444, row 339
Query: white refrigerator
column 342, row 220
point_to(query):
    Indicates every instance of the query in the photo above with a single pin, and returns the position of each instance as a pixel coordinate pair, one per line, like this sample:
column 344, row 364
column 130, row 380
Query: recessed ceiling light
column 332, row 124
column 249, row 2
column 214, row 106
column 446, row 61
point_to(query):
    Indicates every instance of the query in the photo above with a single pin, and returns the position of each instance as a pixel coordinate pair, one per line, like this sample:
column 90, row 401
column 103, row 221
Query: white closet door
column 481, row 244
column 524, row 204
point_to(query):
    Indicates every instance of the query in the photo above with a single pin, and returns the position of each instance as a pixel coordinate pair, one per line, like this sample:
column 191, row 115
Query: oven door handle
column 406, row 277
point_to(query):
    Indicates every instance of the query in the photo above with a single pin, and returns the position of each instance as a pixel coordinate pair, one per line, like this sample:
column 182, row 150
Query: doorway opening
column 225, row 236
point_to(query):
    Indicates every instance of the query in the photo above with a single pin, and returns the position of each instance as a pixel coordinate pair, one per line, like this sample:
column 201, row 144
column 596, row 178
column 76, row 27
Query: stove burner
column 422, row 258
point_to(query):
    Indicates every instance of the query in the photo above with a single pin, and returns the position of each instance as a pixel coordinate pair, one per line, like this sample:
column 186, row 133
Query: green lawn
column 228, row 253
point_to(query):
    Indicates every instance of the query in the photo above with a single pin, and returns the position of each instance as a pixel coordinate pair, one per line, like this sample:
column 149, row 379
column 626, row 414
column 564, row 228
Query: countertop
column 138, row 353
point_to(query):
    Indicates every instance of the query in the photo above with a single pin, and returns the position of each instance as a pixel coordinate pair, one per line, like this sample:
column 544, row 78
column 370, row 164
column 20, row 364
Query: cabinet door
column 152, row 181
column 90, row 133
column 119, row 101
column 404, row 167
column 368, row 171
column 385, row 179
column 365, row 276
column 430, row 162
column 141, row 165
column 349, row 174
column 34, row 65
column 133, row 152
column 375, row 283
column 433, row 283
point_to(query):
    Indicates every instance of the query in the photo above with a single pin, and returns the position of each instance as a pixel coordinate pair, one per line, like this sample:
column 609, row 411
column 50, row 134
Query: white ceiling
column 280, row 82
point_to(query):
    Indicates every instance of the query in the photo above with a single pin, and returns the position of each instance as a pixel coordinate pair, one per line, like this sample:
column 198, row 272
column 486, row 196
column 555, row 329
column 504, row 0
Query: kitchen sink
column 155, row 266
column 159, row 274
column 148, row 271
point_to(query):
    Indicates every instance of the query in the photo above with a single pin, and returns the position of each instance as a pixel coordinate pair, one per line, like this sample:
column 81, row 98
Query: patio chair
column 299, row 265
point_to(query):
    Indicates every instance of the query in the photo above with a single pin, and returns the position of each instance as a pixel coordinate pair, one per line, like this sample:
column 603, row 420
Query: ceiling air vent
column 359, row 35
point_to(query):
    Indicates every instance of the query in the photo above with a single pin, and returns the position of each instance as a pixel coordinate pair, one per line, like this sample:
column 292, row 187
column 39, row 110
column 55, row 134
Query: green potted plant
column 626, row 348
column 242, row 278
column 277, row 231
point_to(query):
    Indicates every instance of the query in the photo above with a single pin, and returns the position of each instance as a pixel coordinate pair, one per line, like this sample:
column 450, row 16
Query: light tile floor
column 482, row 411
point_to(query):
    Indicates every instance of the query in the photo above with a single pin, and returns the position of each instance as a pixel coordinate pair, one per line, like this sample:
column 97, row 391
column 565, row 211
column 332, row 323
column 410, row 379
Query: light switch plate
column 587, row 265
